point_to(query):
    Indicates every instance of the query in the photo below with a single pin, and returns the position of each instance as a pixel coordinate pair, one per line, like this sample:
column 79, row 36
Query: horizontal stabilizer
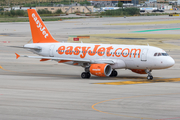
column 17, row 55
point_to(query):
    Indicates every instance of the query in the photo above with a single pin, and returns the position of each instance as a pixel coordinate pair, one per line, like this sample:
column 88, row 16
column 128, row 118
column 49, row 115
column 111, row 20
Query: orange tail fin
column 40, row 33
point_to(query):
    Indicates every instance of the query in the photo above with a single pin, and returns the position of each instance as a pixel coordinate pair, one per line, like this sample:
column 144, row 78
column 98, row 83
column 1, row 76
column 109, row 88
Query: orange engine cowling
column 139, row 71
column 101, row 70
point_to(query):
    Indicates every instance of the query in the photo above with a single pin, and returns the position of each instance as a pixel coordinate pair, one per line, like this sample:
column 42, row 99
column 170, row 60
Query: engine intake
column 101, row 70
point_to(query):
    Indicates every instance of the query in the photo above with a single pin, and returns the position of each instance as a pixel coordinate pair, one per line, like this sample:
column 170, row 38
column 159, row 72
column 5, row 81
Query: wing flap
column 103, row 61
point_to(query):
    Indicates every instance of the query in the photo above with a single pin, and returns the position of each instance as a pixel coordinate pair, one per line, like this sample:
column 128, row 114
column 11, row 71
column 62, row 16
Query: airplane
column 97, row 59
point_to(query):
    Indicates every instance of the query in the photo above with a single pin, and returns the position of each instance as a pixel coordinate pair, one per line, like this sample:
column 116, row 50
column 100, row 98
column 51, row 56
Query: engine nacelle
column 139, row 71
column 101, row 70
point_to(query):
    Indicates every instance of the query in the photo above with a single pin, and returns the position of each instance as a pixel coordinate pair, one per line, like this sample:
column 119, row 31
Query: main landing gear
column 149, row 77
column 85, row 75
column 113, row 73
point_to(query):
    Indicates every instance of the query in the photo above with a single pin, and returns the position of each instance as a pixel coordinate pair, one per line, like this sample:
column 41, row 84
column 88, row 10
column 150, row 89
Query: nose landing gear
column 149, row 77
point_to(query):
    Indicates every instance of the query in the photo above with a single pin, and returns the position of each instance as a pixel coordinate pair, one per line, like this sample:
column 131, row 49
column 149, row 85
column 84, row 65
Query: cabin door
column 144, row 55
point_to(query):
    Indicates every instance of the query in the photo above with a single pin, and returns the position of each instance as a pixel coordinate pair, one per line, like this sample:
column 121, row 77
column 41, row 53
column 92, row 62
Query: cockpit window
column 165, row 54
column 161, row 54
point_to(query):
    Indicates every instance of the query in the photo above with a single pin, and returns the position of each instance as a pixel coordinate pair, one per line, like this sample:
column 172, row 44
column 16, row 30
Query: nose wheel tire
column 113, row 73
column 85, row 75
column 149, row 77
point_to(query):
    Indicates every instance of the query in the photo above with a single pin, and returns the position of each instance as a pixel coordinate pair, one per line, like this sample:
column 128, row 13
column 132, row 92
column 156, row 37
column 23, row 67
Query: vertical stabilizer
column 40, row 33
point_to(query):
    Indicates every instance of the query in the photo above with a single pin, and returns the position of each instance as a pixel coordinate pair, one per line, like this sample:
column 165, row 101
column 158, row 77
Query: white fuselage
column 124, row 56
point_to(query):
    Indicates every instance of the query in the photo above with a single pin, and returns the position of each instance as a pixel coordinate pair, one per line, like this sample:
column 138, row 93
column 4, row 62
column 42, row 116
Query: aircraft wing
column 67, row 59
column 103, row 61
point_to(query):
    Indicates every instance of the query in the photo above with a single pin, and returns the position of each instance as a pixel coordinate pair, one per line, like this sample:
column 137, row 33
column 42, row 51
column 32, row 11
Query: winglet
column 17, row 55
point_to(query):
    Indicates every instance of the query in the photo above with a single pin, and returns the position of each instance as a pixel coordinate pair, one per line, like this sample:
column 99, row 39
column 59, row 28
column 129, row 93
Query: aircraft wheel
column 88, row 75
column 113, row 73
column 149, row 77
column 85, row 75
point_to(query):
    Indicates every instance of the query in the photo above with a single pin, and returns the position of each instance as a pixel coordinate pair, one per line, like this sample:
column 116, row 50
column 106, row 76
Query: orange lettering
column 69, row 50
column 116, row 51
column 76, row 50
column 61, row 49
column 84, row 51
column 135, row 50
column 101, row 51
column 92, row 53
column 123, row 52
column 108, row 51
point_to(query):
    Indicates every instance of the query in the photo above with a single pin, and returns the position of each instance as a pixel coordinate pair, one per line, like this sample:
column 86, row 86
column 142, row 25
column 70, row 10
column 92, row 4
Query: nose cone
column 170, row 62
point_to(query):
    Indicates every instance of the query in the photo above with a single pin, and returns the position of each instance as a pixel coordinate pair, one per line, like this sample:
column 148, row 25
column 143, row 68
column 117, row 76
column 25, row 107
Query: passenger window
column 159, row 54
column 155, row 54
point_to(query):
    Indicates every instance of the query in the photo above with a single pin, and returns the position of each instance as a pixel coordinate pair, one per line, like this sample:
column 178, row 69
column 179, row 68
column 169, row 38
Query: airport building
column 107, row 3
column 113, row 3
column 64, row 8
column 69, row 9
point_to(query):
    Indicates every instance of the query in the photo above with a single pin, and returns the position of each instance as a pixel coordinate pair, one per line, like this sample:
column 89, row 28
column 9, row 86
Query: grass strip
column 26, row 19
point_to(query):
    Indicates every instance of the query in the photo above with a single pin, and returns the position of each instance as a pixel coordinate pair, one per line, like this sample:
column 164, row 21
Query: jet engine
column 101, row 70
column 139, row 71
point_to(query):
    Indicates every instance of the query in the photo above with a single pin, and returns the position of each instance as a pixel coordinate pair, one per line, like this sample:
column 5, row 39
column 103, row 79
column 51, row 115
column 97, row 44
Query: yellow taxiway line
column 6, row 70
column 140, row 81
